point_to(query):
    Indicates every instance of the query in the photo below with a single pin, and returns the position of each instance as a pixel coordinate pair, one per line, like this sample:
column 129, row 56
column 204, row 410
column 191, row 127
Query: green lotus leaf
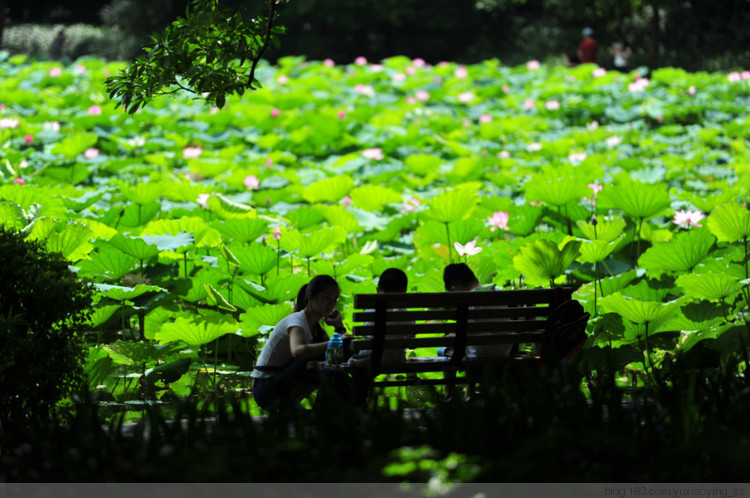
column 649, row 289
column 199, row 329
column 241, row 229
column 228, row 255
column 313, row 244
column 637, row 200
column 133, row 352
column 594, row 251
column 708, row 331
column 681, row 254
column 422, row 164
column 729, row 222
column 136, row 247
column 607, row 228
column 452, row 205
column 711, row 286
column 44, row 202
column 12, row 216
column 638, row 311
column 195, row 290
column 328, row 189
column 100, row 314
column 72, row 242
column 462, row 231
column 707, row 203
column 522, row 220
column 229, row 209
column 144, row 192
column 81, row 202
column 276, row 289
column 556, row 186
column 502, row 252
column 216, row 298
column 255, row 258
column 541, row 261
column 107, row 263
column 373, row 197
column 40, row 229
column 179, row 242
column 168, row 372
column 119, row 293
column 340, row 217
column 305, row 217
column 74, row 145
column 204, row 236
column 263, row 318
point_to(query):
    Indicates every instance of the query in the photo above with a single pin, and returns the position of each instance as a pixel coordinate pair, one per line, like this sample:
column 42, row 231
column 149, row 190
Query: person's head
column 393, row 280
column 459, row 277
column 319, row 296
column 588, row 32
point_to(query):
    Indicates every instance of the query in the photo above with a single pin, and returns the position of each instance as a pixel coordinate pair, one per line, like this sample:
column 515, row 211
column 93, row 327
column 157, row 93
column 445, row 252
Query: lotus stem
column 450, row 250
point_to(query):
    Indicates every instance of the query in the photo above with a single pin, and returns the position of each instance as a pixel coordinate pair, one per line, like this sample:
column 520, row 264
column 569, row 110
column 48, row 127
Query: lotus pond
column 198, row 225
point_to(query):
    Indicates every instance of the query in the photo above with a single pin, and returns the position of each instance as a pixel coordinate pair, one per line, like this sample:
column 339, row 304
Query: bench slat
column 428, row 342
column 447, row 328
column 449, row 314
column 451, row 299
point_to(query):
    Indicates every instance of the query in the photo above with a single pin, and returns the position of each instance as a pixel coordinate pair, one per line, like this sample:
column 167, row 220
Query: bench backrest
column 399, row 320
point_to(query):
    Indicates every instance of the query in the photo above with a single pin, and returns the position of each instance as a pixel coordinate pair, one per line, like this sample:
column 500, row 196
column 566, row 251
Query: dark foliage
column 43, row 308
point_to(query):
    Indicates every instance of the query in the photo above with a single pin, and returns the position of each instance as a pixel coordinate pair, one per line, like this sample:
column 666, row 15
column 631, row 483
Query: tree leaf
column 729, row 222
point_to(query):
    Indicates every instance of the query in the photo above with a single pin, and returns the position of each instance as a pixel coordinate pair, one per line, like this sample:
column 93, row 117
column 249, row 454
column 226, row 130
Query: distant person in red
column 588, row 48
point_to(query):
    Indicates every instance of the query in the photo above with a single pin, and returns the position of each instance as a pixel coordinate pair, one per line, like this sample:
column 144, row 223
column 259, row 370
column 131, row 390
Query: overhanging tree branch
column 204, row 53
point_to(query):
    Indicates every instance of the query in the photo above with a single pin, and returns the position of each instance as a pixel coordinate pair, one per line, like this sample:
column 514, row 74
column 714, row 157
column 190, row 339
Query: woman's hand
column 335, row 319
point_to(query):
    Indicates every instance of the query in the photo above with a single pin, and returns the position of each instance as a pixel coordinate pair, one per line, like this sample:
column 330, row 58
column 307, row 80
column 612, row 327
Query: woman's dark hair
column 318, row 284
column 393, row 280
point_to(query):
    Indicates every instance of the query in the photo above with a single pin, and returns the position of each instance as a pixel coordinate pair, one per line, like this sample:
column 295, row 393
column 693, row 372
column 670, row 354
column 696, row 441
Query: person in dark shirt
column 588, row 49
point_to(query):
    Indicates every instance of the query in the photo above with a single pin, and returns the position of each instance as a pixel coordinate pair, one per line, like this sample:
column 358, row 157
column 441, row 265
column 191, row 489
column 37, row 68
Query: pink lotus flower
column 552, row 105
column 52, row 126
column 599, row 72
column 410, row 70
column 269, row 163
column 2, row 107
column 55, row 72
column 28, row 139
column 8, row 123
column 576, row 156
column 95, row 110
column 91, row 153
column 534, row 147
column 533, row 65
column 466, row 97
column 596, row 188
column 685, row 219
column 470, row 249
column 191, row 152
column 252, row 182
column 418, row 62
column 499, row 219
column 485, row 118
column 376, row 68
column 23, row 164
column 411, row 100
column 342, row 114
column 592, row 125
column 529, row 104
column 375, row 153
column 213, row 110
column 692, row 90
column 734, row 76
column 203, row 199
column 614, row 141
column 277, row 233
column 19, row 181
column 282, row 80
column 329, row 63
column 364, row 90
column 411, row 205
column 503, row 154
column 461, row 72
column 506, row 89
column 745, row 75
column 360, row 61
column 398, row 77
column 80, row 69
column 639, row 85
column 275, row 113
column 347, row 201
column 422, row 95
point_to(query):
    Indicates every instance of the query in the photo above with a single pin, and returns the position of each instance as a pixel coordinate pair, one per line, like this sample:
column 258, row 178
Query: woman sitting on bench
column 280, row 377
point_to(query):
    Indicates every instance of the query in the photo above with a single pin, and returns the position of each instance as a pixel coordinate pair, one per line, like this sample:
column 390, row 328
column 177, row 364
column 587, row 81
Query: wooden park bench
column 546, row 319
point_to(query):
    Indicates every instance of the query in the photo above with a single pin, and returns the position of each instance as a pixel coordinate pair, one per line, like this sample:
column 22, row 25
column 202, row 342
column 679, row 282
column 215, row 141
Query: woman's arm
column 301, row 349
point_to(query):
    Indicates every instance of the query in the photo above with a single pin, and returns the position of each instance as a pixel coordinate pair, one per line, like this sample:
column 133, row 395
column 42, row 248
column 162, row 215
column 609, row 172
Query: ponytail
column 318, row 284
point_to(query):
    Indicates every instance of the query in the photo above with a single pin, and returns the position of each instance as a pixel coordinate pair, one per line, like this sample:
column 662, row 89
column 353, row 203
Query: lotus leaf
column 606, row 229
column 261, row 318
column 328, row 189
column 637, row 200
column 107, row 263
column 709, row 285
column 198, row 330
column 452, row 205
column 681, row 254
column 541, row 261
column 255, row 258
column 729, row 222
column 638, row 311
